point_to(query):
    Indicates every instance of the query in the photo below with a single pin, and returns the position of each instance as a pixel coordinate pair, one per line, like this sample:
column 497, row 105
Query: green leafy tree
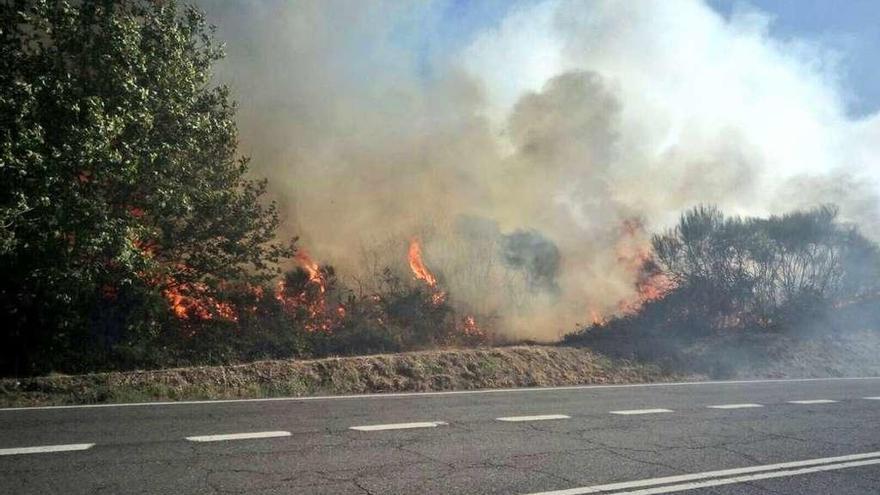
column 119, row 177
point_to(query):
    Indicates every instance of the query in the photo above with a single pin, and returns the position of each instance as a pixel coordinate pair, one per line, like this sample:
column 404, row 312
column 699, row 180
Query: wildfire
column 634, row 253
column 470, row 328
column 596, row 318
column 191, row 301
column 417, row 265
column 187, row 300
column 421, row 271
column 312, row 268
column 310, row 297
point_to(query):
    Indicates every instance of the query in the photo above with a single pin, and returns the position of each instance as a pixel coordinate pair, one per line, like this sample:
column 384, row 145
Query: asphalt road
column 615, row 439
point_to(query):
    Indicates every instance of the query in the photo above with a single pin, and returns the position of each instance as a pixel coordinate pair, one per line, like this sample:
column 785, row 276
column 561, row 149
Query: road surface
column 775, row 437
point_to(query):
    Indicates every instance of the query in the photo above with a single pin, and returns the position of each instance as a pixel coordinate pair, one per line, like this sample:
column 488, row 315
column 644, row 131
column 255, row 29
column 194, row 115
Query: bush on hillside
column 798, row 273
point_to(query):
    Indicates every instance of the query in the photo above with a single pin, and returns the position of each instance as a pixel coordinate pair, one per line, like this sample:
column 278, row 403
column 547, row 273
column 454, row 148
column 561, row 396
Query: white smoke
column 566, row 119
column 711, row 110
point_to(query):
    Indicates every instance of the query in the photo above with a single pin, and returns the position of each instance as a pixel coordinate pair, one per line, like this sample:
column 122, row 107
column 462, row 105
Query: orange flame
column 187, row 300
column 470, row 327
column 597, row 319
column 191, row 301
column 417, row 265
column 312, row 268
column 314, row 304
column 421, row 272
column 634, row 252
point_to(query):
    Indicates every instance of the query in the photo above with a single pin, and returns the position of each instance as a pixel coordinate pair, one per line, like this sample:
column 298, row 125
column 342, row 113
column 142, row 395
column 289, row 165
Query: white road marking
column 396, row 395
column 750, row 477
column 238, row 436
column 43, row 449
column 814, row 401
column 630, row 412
column 726, row 475
column 542, row 417
column 399, row 426
column 871, row 398
column 734, row 406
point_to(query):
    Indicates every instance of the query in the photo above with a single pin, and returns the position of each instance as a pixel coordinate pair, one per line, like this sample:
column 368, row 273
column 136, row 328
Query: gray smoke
column 554, row 125
column 537, row 256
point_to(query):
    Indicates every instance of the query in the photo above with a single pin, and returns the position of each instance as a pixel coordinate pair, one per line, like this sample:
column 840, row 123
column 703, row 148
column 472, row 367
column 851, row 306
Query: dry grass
column 520, row 366
column 852, row 353
column 768, row 356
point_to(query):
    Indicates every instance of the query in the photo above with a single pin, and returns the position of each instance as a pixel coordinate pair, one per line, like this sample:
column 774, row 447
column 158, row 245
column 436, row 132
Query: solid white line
column 630, row 412
column 873, row 456
column 814, row 401
column 47, row 448
column 440, row 394
column 542, row 417
column 238, row 436
column 747, row 478
column 734, row 406
column 398, row 426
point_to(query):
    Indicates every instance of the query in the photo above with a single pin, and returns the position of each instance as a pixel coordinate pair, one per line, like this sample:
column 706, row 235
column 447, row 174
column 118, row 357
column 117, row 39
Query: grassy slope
column 762, row 356
column 519, row 366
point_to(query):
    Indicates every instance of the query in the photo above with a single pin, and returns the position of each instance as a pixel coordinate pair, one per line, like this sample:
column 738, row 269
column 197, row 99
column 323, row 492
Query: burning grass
column 308, row 313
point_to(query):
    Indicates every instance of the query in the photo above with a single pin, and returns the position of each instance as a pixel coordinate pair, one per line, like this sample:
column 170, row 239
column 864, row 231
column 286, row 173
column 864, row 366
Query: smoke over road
column 519, row 155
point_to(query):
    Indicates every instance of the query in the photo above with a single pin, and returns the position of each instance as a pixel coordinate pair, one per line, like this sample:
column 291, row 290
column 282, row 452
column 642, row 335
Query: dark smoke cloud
column 536, row 255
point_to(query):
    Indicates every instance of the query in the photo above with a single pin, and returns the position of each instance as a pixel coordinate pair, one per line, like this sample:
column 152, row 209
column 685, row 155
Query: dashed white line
column 630, row 412
column 238, row 436
column 734, row 406
column 814, row 401
column 871, row 398
column 725, row 476
column 542, row 417
column 399, row 426
column 44, row 449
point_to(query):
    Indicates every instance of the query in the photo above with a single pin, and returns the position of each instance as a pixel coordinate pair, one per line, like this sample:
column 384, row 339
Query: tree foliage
column 740, row 280
column 119, row 177
column 757, row 266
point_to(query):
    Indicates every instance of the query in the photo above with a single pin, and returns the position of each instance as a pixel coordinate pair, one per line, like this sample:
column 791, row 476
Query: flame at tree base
column 310, row 296
column 192, row 302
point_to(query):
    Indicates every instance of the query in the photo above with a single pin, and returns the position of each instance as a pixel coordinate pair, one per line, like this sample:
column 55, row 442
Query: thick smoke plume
column 534, row 254
column 523, row 155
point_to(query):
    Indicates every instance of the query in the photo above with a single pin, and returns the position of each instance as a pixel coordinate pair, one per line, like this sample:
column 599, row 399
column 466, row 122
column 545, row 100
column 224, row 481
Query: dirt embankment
column 520, row 366
column 853, row 353
column 746, row 355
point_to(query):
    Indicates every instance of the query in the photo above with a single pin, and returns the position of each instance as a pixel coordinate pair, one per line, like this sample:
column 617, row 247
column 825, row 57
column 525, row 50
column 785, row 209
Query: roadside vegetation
column 518, row 366
column 745, row 292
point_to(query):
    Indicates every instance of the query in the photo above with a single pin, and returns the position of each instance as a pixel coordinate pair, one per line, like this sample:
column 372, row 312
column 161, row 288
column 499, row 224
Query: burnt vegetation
column 739, row 286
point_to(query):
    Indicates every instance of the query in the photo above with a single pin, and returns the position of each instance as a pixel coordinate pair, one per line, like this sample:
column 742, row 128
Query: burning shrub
column 800, row 272
column 399, row 316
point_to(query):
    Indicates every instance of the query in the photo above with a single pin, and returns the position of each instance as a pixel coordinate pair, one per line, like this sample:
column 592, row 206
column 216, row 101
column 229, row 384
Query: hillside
column 519, row 366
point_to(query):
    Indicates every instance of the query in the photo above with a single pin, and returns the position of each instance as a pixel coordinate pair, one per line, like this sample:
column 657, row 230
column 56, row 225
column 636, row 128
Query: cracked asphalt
column 142, row 449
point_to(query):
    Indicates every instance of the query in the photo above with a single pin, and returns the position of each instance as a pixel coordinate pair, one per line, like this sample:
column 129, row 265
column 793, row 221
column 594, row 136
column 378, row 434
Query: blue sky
column 851, row 28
